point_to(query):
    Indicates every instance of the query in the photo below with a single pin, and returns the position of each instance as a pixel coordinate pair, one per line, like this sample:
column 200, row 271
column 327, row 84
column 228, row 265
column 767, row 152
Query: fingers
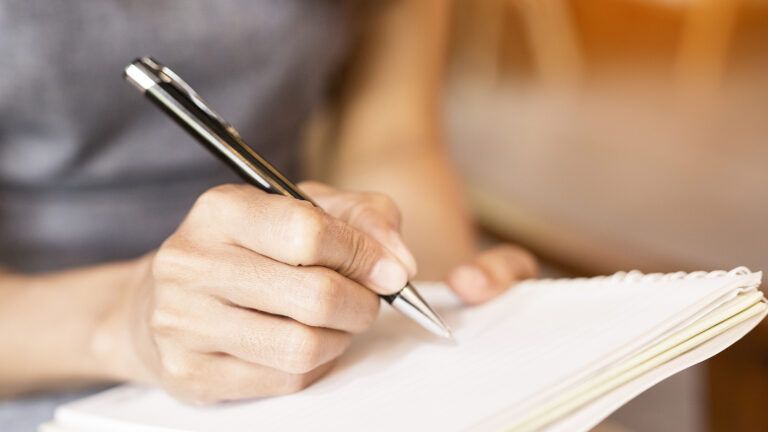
column 238, row 379
column 372, row 213
column 491, row 272
column 315, row 296
column 256, row 294
column 209, row 378
column 276, row 342
column 343, row 204
column 296, row 233
column 268, row 340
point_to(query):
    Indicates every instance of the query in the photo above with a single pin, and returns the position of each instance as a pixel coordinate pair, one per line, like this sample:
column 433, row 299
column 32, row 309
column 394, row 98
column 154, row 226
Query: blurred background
column 608, row 135
column 616, row 133
column 611, row 135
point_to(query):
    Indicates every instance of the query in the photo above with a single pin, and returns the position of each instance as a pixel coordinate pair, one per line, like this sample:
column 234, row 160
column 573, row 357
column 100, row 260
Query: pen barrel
column 177, row 99
column 222, row 142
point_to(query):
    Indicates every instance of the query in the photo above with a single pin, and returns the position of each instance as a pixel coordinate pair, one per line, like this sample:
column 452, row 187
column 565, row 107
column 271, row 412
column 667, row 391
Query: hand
column 256, row 294
column 491, row 272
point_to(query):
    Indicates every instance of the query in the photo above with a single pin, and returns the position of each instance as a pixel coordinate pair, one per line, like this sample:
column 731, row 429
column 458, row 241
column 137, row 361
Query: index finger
column 296, row 233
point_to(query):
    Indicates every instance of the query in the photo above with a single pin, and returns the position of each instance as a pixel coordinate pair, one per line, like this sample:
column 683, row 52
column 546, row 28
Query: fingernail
column 403, row 254
column 471, row 278
column 389, row 275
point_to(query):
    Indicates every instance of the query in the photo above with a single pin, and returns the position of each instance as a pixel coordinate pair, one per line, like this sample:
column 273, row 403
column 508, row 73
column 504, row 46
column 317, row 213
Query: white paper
column 539, row 336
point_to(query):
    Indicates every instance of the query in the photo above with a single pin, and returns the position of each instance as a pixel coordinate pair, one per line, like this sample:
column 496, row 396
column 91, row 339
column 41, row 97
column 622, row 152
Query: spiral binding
column 638, row 276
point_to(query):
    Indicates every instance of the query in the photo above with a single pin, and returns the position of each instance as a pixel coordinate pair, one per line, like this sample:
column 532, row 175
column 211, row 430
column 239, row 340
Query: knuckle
column 379, row 226
column 384, row 201
column 182, row 377
column 219, row 202
column 185, row 263
column 179, row 370
column 163, row 321
column 324, row 296
column 529, row 263
column 215, row 196
column 293, row 382
column 384, row 204
column 364, row 212
column 304, row 234
column 189, row 379
column 304, row 345
column 362, row 257
column 168, row 260
column 369, row 312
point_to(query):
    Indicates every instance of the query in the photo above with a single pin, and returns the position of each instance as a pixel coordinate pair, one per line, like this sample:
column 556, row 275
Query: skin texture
column 221, row 314
column 258, row 288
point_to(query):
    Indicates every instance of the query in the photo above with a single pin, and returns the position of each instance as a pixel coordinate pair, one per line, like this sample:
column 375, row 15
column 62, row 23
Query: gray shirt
column 89, row 170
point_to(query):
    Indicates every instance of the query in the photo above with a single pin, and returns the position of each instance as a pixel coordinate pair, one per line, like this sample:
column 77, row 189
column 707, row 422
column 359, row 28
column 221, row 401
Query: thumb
column 491, row 272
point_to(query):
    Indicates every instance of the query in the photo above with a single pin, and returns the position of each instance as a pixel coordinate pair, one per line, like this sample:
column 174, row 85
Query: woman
column 125, row 260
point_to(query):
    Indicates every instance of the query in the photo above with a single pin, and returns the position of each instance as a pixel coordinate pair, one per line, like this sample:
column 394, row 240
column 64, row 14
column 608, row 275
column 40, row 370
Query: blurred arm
column 390, row 131
column 50, row 325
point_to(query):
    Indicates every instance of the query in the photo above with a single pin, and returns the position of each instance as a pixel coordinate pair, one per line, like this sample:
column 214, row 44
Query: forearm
column 51, row 327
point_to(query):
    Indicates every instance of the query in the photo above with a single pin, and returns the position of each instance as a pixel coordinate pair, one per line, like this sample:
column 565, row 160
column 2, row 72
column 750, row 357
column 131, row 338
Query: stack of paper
column 549, row 354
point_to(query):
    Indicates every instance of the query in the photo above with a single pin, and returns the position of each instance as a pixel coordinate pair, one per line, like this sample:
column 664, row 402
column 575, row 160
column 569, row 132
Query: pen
column 177, row 99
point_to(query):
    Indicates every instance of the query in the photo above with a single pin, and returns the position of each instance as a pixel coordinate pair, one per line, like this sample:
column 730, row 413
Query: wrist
column 112, row 346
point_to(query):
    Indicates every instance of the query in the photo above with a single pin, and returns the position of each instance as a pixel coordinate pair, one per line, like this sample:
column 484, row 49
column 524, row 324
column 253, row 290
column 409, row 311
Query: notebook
column 556, row 355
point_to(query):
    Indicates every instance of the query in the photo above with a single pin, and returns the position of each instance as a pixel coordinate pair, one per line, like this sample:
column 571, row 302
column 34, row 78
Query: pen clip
column 169, row 76
column 150, row 76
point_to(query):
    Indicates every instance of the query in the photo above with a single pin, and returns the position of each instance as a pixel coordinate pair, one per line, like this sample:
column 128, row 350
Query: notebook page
column 536, row 335
column 742, row 283
column 592, row 414
column 606, row 381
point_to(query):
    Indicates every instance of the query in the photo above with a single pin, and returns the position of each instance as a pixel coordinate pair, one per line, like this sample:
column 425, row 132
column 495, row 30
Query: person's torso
column 89, row 170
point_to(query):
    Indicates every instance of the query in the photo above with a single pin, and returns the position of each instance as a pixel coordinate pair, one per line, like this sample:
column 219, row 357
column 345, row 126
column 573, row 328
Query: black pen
column 177, row 99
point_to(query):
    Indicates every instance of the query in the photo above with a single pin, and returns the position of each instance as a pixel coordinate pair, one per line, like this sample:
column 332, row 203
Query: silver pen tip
column 409, row 302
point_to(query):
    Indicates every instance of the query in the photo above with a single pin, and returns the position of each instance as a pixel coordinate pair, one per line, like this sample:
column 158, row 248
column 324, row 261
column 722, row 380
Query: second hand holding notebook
column 177, row 99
